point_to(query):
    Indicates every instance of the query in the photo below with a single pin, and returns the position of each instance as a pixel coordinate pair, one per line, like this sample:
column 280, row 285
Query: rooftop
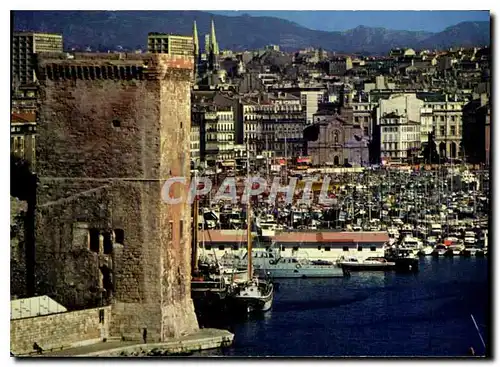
column 220, row 236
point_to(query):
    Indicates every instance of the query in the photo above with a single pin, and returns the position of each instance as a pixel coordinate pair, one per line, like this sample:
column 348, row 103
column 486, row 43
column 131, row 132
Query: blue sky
column 423, row 20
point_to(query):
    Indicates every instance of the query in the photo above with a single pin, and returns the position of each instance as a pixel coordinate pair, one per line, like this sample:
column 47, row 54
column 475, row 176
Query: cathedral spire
column 213, row 40
column 195, row 40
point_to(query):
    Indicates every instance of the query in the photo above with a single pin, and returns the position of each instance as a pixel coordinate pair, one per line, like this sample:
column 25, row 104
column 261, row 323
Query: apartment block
column 25, row 45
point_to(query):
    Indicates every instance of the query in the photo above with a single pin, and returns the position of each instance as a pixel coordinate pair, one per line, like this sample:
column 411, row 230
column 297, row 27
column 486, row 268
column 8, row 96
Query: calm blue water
column 372, row 314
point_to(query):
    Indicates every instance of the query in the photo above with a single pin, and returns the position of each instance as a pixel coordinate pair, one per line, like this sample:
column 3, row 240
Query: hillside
column 104, row 30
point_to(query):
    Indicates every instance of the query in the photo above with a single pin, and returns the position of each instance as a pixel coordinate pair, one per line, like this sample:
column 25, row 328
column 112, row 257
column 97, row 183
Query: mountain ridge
column 103, row 30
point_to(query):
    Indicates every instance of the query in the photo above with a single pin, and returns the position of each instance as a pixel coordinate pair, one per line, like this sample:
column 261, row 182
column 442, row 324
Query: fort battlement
column 117, row 66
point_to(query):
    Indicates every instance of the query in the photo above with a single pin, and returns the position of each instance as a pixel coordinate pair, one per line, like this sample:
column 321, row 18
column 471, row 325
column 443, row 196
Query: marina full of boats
column 380, row 220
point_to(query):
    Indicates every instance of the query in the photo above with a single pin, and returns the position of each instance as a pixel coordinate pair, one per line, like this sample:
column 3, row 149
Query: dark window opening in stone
column 107, row 243
column 327, row 248
column 373, row 248
column 235, row 247
column 117, row 123
column 360, row 248
column 283, row 248
column 319, row 247
column 94, row 240
column 345, row 248
column 295, row 248
column 119, row 236
column 106, row 279
column 170, row 229
column 221, row 247
column 208, row 247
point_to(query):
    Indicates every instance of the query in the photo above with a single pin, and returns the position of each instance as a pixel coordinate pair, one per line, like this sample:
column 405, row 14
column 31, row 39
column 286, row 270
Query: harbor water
column 371, row 314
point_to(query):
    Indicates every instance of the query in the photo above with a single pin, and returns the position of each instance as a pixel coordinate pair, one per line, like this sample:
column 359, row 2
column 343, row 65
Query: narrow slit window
column 119, row 236
column 107, row 243
column 94, row 240
column 170, row 230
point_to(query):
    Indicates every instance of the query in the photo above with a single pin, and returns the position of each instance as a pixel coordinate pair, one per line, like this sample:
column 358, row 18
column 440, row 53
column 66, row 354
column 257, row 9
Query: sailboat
column 255, row 295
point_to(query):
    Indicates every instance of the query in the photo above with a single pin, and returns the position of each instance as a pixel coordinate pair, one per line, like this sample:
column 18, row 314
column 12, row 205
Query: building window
column 119, row 236
column 452, row 130
column 360, row 248
column 170, row 230
column 94, row 240
column 327, row 248
column 441, row 118
column 283, row 248
column 221, row 247
column 373, row 248
column 107, row 243
column 442, row 130
column 208, row 247
column 319, row 248
column 295, row 248
column 345, row 248
column 235, row 247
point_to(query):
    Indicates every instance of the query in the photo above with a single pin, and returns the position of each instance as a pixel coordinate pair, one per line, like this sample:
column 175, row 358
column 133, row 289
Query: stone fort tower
column 113, row 128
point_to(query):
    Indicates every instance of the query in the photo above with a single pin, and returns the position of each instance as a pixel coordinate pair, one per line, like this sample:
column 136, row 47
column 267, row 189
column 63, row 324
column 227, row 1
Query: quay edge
column 203, row 339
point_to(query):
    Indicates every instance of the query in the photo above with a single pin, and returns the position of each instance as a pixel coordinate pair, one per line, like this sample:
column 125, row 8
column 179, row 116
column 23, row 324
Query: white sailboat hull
column 302, row 272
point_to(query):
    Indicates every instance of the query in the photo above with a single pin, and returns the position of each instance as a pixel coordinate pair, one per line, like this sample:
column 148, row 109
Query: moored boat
column 369, row 264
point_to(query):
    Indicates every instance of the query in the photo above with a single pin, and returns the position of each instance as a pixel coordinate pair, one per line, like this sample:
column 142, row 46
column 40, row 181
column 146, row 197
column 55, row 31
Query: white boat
column 427, row 250
column 412, row 243
column 270, row 263
column 370, row 264
column 436, row 229
column 254, row 294
column 439, row 250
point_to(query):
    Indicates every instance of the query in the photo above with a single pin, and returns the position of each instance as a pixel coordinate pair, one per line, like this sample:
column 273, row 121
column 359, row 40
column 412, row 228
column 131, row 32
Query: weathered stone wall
column 175, row 130
column 58, row 331
column 106, row 147
column 18, row 210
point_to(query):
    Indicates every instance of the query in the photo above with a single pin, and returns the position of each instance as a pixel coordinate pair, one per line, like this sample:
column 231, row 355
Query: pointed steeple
column 213, row 40
column 195, row 40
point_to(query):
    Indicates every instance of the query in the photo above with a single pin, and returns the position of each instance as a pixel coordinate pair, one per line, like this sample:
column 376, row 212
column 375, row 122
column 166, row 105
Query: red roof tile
column 215, row 236
column 22, row 117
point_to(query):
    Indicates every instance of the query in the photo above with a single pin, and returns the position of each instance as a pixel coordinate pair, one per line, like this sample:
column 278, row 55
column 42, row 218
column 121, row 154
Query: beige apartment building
column 24, row 46
column 170, row 44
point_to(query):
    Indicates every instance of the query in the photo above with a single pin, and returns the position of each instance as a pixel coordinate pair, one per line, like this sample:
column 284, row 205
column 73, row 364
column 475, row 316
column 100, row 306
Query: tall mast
column 194, row 264
column 249, row 219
